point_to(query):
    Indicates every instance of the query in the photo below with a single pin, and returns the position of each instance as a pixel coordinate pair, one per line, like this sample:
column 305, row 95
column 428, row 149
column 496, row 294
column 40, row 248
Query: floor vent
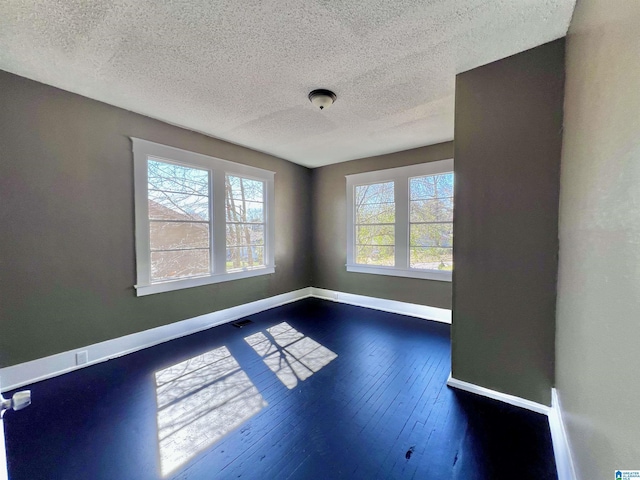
column 242, row 323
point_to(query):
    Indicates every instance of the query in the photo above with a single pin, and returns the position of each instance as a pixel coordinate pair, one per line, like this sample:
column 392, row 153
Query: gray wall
column 598, row 317
column 329, row 209
column 508, row 123
column 67, row 254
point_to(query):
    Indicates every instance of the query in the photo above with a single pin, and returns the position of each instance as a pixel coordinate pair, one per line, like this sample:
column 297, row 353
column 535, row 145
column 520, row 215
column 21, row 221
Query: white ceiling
column 241, row 70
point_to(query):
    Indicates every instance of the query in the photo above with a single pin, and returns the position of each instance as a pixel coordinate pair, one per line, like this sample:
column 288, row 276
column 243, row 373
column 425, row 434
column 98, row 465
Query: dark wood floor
column 311, row 390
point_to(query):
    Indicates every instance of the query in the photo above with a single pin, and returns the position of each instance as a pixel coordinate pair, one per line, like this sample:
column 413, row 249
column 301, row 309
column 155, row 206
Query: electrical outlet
column 82, row 357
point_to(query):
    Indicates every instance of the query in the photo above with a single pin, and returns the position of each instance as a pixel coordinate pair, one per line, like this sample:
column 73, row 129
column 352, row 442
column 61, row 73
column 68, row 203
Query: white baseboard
column 26, row 373
column 502, row 397
column 411, row 309
column 561, row 448
column 33, row 371
column 4, row 475
column 559, row 439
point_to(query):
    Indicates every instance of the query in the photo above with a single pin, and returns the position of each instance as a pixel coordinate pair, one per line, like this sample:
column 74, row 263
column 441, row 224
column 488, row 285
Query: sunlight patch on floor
column 199, row 401
column 290, row 354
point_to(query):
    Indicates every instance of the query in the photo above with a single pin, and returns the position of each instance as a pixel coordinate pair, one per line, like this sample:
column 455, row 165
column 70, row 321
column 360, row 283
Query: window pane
column 375, row 224
column 239, row 234
column 374, row 255
column 177, row 194
column 239, row 211
column 244, row 257
column 436, row 210
column 245, row 218
column 374, row 193
column 438, row 235
column 166, row 265
column 375, row 203
column 375, row 213
column 177, row 178
column 375, row 235
column 244, row 189
column 431, row 201
column 177, row 206
column 431, row 186
column 432, row 258
column 178, row 235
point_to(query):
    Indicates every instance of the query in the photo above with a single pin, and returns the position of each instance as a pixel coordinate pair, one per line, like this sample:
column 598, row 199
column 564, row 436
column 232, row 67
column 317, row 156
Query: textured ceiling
column 241, row 70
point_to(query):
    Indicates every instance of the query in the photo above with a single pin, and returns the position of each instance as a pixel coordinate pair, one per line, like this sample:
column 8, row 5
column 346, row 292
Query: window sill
column 442, row 276
column 142, row 290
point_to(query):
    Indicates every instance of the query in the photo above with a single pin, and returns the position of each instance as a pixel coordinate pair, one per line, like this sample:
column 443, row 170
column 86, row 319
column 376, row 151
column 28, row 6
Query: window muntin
column 431, row 222
column 185, row 225
column 375, row 224
column 421, row 230
column 245, row 225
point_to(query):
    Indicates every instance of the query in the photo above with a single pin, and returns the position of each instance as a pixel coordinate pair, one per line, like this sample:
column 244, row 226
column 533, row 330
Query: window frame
column 401, row 177
column 218, row 169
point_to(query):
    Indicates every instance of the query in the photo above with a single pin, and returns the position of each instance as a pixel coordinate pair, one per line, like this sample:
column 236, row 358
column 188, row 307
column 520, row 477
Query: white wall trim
column 169, row 286
column 442, row 276
column 3, row 454
column 26, row 373
column 502, row 397
column 4, row 473
column 436, row 314
column 33, row 371
column 559, row 439
column 561, row 448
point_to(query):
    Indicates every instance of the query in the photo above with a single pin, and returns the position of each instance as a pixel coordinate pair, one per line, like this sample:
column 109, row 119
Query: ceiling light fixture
column 322, row 98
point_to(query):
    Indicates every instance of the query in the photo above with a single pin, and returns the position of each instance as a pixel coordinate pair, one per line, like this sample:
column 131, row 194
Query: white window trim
column 218, row 168
column 400, row 176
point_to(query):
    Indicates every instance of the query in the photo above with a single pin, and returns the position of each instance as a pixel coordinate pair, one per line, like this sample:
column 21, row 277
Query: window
column 375, row 217
column 245, row 223
column 431, row 222
column 199, row 219
column 400, row 221
column 179, row 221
